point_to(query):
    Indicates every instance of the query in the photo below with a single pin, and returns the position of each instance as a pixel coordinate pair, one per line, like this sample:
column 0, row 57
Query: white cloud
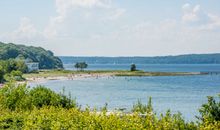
column 96, row 25
column 65, row 12
column 116, row 14
column 26, row 32
column 62, row 6
column 193, row 14
column 198, row 18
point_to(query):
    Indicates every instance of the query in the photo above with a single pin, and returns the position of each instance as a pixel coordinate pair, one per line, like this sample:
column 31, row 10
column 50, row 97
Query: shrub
column 141, row 108
column 12, row 96
column 210, row 111
column 22, row 97
column 41, row 108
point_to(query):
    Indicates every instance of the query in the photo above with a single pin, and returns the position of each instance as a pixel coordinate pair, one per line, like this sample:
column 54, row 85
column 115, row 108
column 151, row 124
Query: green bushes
column 41, row 108
column 210, row 112
column 12, row 70
column 21, row 97
column 141, row 108
column 61, row 118
column 41, row 96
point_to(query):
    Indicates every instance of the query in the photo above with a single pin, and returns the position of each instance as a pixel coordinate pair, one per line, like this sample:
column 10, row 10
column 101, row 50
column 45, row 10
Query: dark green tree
column 1, row 74
column 81, row 65
column 210, row 111
column 133, row 67
column 77, row 66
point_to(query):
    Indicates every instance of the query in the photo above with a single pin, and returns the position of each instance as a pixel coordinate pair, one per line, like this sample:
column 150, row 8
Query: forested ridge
column 46, row 58
column 180, row 59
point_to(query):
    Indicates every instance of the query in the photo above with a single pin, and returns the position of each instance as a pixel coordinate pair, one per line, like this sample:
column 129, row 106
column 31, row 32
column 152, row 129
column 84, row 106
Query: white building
column 32, row 66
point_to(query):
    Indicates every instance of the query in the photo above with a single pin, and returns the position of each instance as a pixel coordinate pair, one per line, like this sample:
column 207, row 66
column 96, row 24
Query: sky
column 113, row 27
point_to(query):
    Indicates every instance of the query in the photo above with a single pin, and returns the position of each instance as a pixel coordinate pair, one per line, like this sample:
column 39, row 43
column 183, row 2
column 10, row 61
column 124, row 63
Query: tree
column 81, row 65
column 1, row 74
column 133, row 67
column 210, row 111
column 77, row 66
column 12, row 70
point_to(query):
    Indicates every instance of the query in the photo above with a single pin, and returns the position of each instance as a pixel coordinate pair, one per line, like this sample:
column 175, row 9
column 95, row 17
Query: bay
column 177, row 93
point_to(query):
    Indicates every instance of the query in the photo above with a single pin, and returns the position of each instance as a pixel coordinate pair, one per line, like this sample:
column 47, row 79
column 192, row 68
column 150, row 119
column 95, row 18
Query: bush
column 41, row 108
column 12, row 70
column 22, row 97
column 41, row 96
column 210, row 111
column 141, row 108
column 14, row 76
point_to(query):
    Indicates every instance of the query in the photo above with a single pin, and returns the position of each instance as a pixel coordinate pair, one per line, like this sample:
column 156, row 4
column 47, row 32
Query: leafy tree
column 1, row 74
column 210, row 111
column 12, row 70
column 81, row 65
column 77, row 66
column 15, row 75
column 133, row 67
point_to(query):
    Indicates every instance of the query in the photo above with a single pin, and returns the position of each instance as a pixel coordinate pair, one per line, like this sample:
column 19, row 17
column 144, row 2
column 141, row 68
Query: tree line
column 45, row 58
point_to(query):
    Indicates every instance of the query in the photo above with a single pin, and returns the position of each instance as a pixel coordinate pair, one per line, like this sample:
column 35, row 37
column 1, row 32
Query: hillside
column 46, row 58
column 181, row 59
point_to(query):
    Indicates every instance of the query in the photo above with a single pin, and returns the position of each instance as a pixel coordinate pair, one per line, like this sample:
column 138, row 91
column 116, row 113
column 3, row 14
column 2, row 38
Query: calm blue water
column 178, row 93
column 153, row 67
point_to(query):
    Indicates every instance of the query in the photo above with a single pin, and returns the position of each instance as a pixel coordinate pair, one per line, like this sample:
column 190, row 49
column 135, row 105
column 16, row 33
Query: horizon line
column 139, row 55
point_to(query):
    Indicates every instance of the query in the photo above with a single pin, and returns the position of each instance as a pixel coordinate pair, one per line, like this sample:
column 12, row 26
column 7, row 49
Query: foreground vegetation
column 12, row 70
column 41, row 108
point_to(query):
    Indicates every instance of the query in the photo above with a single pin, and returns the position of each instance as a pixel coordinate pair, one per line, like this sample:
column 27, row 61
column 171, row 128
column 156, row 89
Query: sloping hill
column 180, row 59
column 46, row 58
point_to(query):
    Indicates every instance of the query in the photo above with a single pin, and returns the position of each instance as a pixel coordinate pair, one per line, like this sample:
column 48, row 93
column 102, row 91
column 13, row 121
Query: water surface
column 178, row 93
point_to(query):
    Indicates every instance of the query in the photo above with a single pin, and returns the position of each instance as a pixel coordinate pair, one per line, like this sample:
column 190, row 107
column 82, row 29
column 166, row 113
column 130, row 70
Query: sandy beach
column 68, row 77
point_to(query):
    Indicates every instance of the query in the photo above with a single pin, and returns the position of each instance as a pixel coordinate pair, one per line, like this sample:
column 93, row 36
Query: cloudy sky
column 113, row 27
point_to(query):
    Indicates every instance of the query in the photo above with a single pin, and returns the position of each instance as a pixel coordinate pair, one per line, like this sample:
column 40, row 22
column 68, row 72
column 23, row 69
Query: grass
column 57, row 73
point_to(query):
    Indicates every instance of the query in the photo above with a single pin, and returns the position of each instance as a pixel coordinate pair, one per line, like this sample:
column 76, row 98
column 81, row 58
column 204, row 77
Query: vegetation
column 141, row 108
column 41, row 108
column 210, row 111
column 133, row 67
column 21, row 97
column 12, row 70
column 66, row 73
column 81, row 65
column 46, row 59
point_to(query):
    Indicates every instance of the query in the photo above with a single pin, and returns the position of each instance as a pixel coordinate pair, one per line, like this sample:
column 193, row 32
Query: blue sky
column 113, row 27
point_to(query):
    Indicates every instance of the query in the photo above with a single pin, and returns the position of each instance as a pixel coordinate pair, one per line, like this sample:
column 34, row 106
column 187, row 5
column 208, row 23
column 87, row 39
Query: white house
column 33, row 66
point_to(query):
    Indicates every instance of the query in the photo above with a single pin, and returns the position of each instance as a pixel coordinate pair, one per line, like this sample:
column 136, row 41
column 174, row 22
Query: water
column 152, row 67
column 165, row 64
column 178, row 93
